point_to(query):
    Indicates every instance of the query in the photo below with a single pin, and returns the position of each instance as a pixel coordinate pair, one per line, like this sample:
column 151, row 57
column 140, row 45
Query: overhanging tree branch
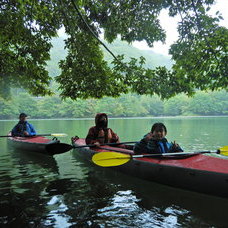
column 91, row 31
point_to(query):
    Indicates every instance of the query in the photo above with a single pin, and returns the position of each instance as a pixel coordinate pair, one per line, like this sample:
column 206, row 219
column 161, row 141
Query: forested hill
column 152, row 59
column 118, row 48
column 127, row 105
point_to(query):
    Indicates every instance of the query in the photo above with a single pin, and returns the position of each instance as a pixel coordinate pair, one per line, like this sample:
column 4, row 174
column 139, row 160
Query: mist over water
column 64, row 191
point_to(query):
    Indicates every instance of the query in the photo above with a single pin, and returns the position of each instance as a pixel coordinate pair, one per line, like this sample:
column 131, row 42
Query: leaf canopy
column 27, row 27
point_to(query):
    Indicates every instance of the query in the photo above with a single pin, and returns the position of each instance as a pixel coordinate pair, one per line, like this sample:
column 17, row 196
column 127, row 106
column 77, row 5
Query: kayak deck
column 200, row 172
column 198, row 161
column 34, row 139
column 33, row 144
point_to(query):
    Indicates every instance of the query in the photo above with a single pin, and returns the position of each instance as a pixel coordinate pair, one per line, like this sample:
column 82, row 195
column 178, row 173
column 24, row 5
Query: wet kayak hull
column 200, row 173
column 36, row 144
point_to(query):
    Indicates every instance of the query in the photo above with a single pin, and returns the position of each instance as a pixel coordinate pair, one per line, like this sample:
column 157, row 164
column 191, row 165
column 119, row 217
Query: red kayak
column 33, row 144
column 199, row 172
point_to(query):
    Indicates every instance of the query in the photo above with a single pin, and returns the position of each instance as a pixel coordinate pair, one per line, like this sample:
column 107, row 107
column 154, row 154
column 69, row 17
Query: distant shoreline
column 150, row 117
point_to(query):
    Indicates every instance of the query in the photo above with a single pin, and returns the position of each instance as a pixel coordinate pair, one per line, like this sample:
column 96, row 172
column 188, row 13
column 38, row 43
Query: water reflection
column 74, row 202
column 64, row 191
column 135, row 202
column 22, row 183
column 57, row 217
column 34, row 162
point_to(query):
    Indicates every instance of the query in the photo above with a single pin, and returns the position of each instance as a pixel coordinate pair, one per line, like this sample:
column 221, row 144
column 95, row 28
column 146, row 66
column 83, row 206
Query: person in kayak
column 155, row 142
column 100, row 133
column 23, row 128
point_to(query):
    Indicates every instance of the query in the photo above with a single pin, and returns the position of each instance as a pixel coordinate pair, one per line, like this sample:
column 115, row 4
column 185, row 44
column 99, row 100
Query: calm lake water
column 63, row 191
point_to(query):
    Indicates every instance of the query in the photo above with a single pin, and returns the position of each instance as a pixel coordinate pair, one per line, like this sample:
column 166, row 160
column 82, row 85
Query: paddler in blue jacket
column 155, row 142
column 23, row 128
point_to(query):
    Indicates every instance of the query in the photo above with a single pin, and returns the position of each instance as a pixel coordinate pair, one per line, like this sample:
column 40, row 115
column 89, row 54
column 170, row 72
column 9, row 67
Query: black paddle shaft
column 24, row 136
column 59, row 148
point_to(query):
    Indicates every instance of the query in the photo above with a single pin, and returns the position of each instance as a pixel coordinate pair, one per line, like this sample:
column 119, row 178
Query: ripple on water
column 123, row 211
column 62, row 191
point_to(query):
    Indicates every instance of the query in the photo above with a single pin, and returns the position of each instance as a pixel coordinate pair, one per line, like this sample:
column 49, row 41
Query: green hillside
column 152, row 59
column 118, row 48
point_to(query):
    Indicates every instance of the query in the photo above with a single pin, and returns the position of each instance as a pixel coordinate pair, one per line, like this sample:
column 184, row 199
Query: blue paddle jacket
column 154, row 146
column 22, row 126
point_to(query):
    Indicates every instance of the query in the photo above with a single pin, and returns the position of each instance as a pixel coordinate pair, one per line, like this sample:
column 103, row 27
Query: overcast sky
column 170, row 25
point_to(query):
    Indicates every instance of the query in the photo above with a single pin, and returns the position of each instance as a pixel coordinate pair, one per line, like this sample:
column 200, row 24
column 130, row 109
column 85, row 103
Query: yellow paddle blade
column 59, row 134
column 107, row 159
column 224, row 150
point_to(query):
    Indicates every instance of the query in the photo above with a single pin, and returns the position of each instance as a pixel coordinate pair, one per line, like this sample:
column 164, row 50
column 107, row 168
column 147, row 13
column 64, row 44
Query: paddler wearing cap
column 23, row 128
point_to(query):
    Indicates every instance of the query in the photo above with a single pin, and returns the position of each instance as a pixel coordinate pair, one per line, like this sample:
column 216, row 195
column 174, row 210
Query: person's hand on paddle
column 73, row 139
column 97, row 144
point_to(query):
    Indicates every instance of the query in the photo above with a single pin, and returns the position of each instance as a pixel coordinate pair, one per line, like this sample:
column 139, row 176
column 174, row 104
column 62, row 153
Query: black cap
column 22, row 115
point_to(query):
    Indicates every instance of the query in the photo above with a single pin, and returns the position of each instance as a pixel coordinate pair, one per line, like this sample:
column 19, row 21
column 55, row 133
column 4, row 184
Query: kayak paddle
column 223, row 150
column 107, row 159
column 52, row 134
column 64, row 147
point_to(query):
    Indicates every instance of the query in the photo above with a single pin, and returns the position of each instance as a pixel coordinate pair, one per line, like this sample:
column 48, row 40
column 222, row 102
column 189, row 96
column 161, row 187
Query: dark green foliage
column 27, row 27
column 25, row 34
column 201, row 52
column 128, row 105
column 84, row 69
